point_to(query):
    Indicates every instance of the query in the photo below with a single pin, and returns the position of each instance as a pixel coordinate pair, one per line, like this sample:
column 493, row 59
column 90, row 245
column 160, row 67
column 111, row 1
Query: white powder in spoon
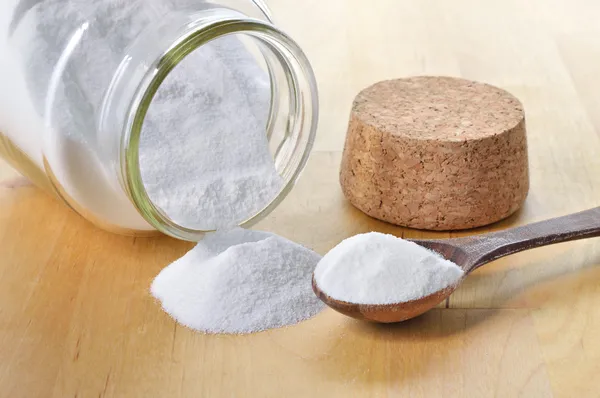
column 376, row 268
column 240, row 281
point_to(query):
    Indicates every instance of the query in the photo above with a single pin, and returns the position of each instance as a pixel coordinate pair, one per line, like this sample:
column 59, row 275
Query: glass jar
column 79, row 78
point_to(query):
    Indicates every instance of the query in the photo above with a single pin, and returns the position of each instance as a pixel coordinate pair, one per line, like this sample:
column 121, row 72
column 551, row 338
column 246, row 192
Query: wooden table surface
column 76, row 319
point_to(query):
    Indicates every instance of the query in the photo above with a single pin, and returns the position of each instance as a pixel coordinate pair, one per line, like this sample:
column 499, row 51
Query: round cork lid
column 436, row 153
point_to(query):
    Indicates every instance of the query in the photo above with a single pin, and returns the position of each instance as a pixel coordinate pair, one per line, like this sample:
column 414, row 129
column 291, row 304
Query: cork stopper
column 436, row 153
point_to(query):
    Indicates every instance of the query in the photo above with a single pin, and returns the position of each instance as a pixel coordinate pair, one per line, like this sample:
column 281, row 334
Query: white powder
column 204, row 153
column 376, row 268
column 240, row 281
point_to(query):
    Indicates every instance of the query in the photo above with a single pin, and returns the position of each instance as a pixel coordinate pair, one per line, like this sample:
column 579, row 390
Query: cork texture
column 436, row 153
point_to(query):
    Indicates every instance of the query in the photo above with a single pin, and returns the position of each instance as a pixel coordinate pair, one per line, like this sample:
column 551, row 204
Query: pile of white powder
column 376, row 268
column 240, row 281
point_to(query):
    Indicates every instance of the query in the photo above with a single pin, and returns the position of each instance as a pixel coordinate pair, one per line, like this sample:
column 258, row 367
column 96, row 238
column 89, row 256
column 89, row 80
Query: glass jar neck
column 154, row 56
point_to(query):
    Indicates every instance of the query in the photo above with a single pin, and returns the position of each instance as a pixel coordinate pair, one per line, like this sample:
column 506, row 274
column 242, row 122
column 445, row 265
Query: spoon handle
column 488, row 247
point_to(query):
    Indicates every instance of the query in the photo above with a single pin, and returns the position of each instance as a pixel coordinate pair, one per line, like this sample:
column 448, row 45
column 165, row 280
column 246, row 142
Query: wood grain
column 76, row 318
column 474, row 251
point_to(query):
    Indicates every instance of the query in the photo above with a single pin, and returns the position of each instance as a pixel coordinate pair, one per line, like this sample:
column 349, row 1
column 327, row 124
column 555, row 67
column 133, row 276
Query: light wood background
column 76, row 319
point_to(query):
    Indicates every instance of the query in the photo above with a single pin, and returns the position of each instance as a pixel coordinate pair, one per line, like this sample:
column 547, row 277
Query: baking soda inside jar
column 204, row 152
column 224, row 138
column 182, row 120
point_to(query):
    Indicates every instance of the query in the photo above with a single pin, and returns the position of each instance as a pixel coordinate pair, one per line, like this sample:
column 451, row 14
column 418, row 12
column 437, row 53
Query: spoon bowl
column 385, row 313
column 470, row 253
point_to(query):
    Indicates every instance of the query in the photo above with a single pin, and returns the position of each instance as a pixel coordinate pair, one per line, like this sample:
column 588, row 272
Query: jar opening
column 268, row 90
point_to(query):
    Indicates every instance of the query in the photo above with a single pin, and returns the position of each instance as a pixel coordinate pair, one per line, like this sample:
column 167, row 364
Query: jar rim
column 303, row 112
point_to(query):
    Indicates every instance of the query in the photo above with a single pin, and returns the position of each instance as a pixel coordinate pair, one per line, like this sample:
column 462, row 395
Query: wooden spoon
column 470, row 253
